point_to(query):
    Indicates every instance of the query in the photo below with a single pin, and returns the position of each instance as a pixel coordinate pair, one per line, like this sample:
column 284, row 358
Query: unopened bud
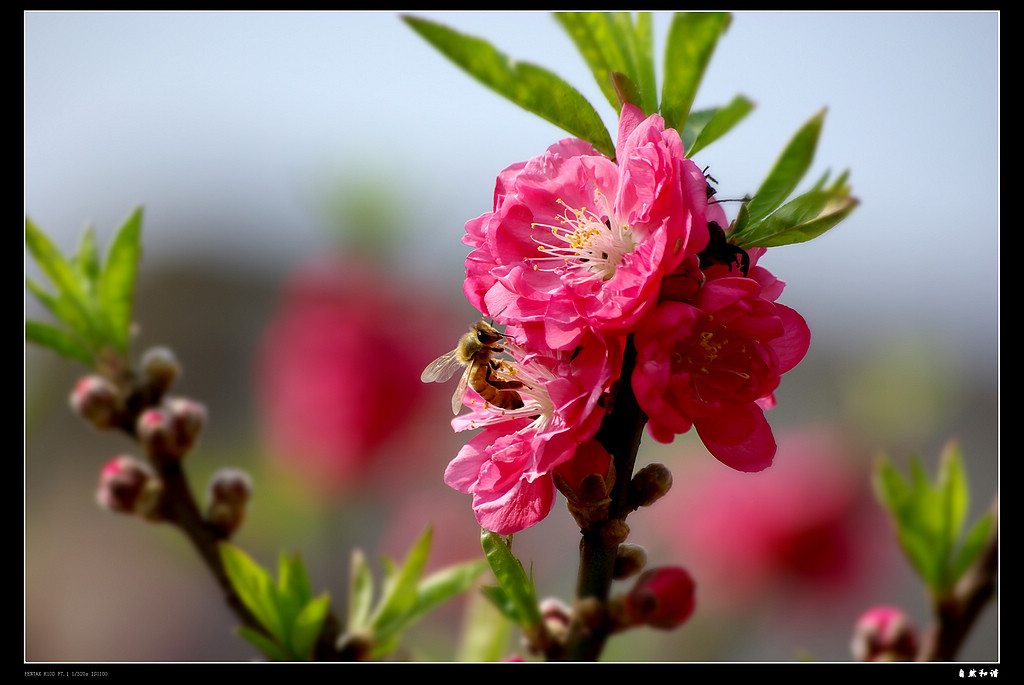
column 172, row 430
column 586, row 481
column 630, row 559
column 661, row 598
column 128, row 486
column 556, row 615
column 160, row 369
column 884, row 634
column 229, row 495
column 99, row 401
column 649, row 485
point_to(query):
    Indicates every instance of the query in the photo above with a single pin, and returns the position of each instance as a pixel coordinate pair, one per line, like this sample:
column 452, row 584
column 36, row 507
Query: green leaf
column 789, row 169
column 611, row 44
column 292, row 617
column 534, row 88
column 721, row 121
column 307, row 626
column 87, row 263
column 360, row 593
column 973, row 544
column 929, row 518
column 485, row 633
column 400, row 588
column 70, row 303
column 57, row 340
column 517, row 596
column 802, row 219
column 254, row 587
column 691, row 40
column 117, row 281
column 270, row 649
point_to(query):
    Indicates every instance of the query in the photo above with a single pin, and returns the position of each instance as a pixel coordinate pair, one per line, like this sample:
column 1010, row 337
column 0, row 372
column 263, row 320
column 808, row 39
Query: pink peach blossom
column 578, row 241
column 713, row 363
column 508, row 466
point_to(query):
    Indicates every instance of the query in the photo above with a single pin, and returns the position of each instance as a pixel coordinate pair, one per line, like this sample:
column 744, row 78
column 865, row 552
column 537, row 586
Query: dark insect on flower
column 720, row 251
column 708, row 180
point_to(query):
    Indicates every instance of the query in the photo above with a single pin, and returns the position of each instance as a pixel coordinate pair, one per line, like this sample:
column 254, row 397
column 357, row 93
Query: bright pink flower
column 507, row 467
column 713, row 363
column 578, row 241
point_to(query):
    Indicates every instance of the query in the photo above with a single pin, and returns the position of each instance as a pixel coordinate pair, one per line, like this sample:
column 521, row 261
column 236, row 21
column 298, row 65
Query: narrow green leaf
column 611, row 43
column 70, row 303
column 400, row 588
column 307, row 625
column 292, row 579
column 254, row 587
column 272, row 650
column 720, row 123
column 789, row 169
column 973, row 544
column 952, row 484
column 535, row 89
column 485, row 633
column 500, row 600
column 360, row 593
column 443, row 585
column 57, row 340
column 590, row 35
column 691, row 40
column 626, row 89
column 117, row 281
column 643, row 58
column 803, row 218
column 87, row 261
column 516, row 585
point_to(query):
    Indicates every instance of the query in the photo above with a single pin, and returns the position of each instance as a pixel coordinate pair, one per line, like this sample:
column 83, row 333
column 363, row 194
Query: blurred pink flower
column 808, row 521
column 338, row 367
column 579, row 241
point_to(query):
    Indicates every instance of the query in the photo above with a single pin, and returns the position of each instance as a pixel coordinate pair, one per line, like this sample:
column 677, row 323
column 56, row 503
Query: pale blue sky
column 241, row 119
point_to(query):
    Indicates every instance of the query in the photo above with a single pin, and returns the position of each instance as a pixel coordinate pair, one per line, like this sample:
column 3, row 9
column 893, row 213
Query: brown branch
column 620, row 435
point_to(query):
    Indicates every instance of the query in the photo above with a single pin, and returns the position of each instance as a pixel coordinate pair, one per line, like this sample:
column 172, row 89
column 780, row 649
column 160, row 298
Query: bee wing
column 460, row 390
column 442, row 368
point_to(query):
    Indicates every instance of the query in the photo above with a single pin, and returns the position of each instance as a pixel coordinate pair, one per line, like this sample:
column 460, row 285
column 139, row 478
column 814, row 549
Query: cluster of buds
column 167, row 427
column 884, row 634
column 170, row 431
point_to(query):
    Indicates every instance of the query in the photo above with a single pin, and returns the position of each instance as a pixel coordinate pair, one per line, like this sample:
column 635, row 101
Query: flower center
column 583, row 245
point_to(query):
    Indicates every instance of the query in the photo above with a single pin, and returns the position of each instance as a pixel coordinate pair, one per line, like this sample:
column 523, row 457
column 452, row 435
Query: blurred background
column 306, row 177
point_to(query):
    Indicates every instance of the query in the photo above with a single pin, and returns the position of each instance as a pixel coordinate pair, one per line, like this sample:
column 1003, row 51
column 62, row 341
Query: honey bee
column 474, row 353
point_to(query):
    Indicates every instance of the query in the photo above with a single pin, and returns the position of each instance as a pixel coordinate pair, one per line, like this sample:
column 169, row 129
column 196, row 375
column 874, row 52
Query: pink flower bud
column 630, row 559
column 661, row 598
column 229, row 494
column 128, row 486
column 884, row 634
column 98, row 401
column 160, row 368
